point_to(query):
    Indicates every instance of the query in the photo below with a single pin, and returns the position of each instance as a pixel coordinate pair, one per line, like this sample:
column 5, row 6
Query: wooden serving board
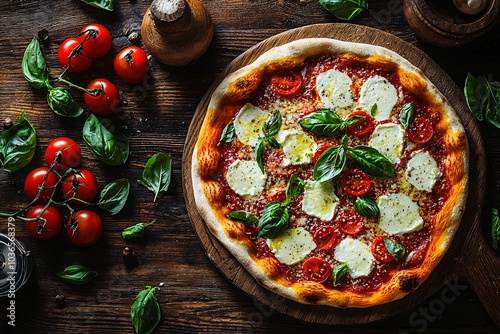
column 469, row 256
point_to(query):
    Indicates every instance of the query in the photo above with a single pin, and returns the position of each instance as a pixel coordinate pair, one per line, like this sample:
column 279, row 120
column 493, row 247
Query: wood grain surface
column 156, row 115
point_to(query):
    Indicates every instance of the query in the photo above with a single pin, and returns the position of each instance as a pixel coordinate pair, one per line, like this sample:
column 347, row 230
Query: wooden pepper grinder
column 177, row 32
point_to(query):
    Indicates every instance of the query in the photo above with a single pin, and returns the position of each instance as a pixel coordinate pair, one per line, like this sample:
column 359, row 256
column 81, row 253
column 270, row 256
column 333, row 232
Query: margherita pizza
column 335, row 172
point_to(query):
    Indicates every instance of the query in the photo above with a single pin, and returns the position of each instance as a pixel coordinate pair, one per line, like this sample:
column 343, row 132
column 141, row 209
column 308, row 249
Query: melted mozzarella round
column 298, row 147
column 248, row 124
column 320, row 200
column 399, row 214
column 378, row 91
column 388, row 139
column 357, row 255
column 422, row 171
column 292, row 246
column 334, row 89
column 246, row 178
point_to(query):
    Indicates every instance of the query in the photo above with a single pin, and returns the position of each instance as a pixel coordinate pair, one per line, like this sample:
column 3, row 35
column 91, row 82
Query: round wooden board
column 467, row 247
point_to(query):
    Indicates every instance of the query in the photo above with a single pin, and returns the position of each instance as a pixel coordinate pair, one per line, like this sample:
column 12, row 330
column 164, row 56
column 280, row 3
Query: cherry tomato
column 355, row 182
column 85, row 184
column 286, row 83
column 96, row 40
column 349, row 222
column 84, row 228
column 40, row 230
column 379, row 250
column 325, row 237
column 70, row 153
column 420, row 131
column 317, row 269
column 34, row 181
column 131, row 64
column 364, row 127
column 70, row 56
column 107, row 99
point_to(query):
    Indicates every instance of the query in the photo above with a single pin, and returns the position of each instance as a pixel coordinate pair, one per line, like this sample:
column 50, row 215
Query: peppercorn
column 129, row 255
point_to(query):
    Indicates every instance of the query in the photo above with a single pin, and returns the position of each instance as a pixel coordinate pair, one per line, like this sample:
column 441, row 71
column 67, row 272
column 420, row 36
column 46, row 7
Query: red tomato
column 355, row 182
column 286, row 83
column 379, row 250
column 96, row 40
column 349, row 222
column 131, row 64
column 70, row 56
column 317, row 269
column 325, row 237
column 69, row 156
column 85, row 184
column 40, row 230
column 35, row 182
column 84, row 228
column 362, row 128
column 107, row 97
column 420, row 131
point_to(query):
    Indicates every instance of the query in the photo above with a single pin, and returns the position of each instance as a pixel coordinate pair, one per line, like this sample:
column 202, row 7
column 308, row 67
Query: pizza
column 335, row 172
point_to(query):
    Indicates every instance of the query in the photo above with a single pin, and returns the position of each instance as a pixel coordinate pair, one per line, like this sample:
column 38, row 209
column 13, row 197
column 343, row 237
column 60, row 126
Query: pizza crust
column 209, row 194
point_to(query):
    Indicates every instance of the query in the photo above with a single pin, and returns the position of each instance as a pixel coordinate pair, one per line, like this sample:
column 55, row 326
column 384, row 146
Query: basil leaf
column 114, row 196
column 77, row 274
column 353, row 120
column 374, row 110
column 476, row 96
column 103, row 4
column 105, row 142
column 243, row 217
column 371, row 161
column 156, row 175
column 406, row 114
column 272, row 125
column 259, row 153
column 339, row 273
column 228, row 134
column 135, row 231
column 274, row 220
column 345, row 9
column 323, row 122
column 366, row 207
column 330, row 164
column 294, row 188
column 62, row 103
column 272, row 141
column 34, row 67
column 17, row 145
column 145, row 312
column 492, row 110
column 396, row 250
column 495, row 228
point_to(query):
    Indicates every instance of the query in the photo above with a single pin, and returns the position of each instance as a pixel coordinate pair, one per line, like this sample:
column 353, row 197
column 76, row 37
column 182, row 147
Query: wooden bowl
column 441, row 24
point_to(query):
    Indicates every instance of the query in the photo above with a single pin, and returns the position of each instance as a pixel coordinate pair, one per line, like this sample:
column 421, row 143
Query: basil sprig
column 103, row 4
column 17, row 145
column 339, row 273
column 242, row 216
column 34, row 66
column 145, row 312
column 62, row 103
column 105, row 142
column 345, row 9
column 327, row 123
column 270, row 128
column 228, row 134
column 495, row 228
column 396, row 250
column 114, row 196
column 136, row 231
column 77, row 274
column 157, row 174
column 366, row 207
column 483, row 98
column 406, row 114
column 275, row 217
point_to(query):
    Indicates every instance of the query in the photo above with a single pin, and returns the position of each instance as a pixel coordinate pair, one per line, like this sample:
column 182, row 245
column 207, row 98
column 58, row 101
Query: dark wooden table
column 194, row 296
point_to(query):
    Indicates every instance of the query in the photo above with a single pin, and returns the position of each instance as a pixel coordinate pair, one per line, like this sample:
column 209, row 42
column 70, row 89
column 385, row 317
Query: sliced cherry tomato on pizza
column 362, row 128
column 349, row 222
column 325, row 237
column 286, row 83
column 317, row 269
column 420, row 131
column 355, row 182
column 379, row 250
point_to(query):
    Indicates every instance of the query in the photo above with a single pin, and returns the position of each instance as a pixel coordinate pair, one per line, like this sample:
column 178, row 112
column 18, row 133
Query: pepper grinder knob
column 177, row 32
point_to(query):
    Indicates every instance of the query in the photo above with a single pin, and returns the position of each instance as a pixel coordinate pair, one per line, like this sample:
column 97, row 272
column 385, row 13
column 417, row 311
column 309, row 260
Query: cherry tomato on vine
column 71, row 57
column 355, row 182
column 40, row 230
column 70, row 153
column 35, row 179
column 379, row 250
column 81, row 185
column 131, row 64
column 317, row 269
column 107, row 97
column 364, row 127
column 325, row 237
column 96, row 40
column 349, row 222
column 420, row 131
column 286, row 83
column 84, row 228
